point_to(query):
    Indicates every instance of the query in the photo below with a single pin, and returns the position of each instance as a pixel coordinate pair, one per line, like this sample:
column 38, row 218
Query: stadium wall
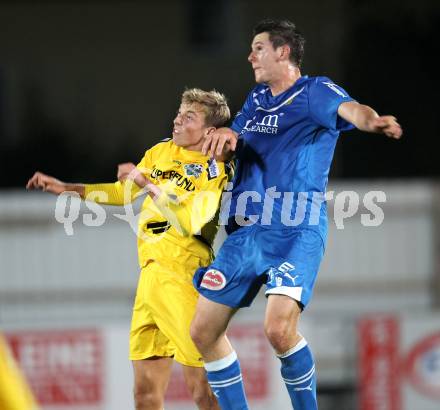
column 58, row 277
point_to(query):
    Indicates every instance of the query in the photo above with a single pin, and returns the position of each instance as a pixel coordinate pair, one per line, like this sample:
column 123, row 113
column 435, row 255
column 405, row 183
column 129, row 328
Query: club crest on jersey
column 213, row 279
column 213, row 171
column 193, row 170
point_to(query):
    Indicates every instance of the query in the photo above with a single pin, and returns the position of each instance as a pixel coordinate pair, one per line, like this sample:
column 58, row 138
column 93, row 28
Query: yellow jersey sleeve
column 113, row 193
column 118, row 193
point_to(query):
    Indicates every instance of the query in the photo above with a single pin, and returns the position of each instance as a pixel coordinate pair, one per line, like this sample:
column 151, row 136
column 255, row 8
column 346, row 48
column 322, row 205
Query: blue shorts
column 286, row 260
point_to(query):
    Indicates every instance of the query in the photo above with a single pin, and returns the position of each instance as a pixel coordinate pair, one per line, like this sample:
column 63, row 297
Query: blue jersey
column 285, row 151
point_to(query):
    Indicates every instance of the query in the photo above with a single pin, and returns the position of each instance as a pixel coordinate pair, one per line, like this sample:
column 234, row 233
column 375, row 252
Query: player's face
column 189, row 127
column 264, row 59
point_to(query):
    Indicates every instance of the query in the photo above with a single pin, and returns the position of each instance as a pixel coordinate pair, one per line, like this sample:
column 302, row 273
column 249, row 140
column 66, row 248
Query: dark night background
column 86, row 85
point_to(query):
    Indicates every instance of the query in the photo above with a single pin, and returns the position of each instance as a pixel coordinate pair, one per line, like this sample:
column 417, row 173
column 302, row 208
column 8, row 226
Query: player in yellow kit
column 176, row 229
column 14, row 392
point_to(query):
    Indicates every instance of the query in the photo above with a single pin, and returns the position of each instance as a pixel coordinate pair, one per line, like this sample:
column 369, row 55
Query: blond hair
column 213, row 103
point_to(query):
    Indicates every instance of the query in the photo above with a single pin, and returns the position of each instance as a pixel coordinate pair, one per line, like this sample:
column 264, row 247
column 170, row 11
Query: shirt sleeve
column 145, row 165
column 191, row 211
column 244, row 115
column 325, row 97
column 118, row 193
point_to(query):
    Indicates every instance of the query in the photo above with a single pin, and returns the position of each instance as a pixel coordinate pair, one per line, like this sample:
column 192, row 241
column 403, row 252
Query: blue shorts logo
column 213, row 279
column 286, row 267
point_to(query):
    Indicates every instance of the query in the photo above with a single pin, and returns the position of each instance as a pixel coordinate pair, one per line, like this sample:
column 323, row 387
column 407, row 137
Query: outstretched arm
column 50, row 184
column 114, row 193
column 366, row 119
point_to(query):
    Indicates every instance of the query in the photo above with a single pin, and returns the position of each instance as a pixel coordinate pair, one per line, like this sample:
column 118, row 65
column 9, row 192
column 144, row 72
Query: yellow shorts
column 163, row 310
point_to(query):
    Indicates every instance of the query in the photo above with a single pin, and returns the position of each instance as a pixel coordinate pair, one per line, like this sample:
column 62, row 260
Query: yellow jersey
column 184, row 219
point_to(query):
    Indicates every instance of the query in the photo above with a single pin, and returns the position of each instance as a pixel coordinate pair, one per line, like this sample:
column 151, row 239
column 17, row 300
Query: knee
column 200, row 335
column 280, row 335
column 147, row 399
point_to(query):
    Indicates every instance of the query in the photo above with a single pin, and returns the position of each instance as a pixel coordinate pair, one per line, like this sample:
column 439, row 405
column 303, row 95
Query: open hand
column 388, row 125
column 46, row 183
column 220, row 144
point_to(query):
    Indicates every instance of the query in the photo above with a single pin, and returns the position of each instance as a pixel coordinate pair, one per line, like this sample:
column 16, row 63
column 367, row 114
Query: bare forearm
column 50, row 184
column 366, row 119
column 361, row 116
column 78, row 188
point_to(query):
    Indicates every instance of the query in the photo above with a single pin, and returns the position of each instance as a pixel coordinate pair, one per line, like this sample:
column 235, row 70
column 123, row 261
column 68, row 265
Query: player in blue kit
column 284, row 138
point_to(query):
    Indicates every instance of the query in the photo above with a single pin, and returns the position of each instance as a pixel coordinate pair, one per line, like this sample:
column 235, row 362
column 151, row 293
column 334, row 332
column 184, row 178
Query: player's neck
column 194, row 147
column 285, row 81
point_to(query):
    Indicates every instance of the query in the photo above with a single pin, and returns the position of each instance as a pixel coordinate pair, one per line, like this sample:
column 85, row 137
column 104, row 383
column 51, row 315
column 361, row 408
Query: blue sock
column 224, row 377
column 298, row 371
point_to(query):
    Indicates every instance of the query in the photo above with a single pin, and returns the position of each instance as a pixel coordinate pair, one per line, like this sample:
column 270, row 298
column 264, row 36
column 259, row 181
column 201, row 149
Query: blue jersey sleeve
column 325, row 97
column 245, row 114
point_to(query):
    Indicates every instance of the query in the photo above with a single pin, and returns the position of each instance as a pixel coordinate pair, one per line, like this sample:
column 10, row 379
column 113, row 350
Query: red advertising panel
column 379, row 367
column 63, row 368
column 254, row 354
